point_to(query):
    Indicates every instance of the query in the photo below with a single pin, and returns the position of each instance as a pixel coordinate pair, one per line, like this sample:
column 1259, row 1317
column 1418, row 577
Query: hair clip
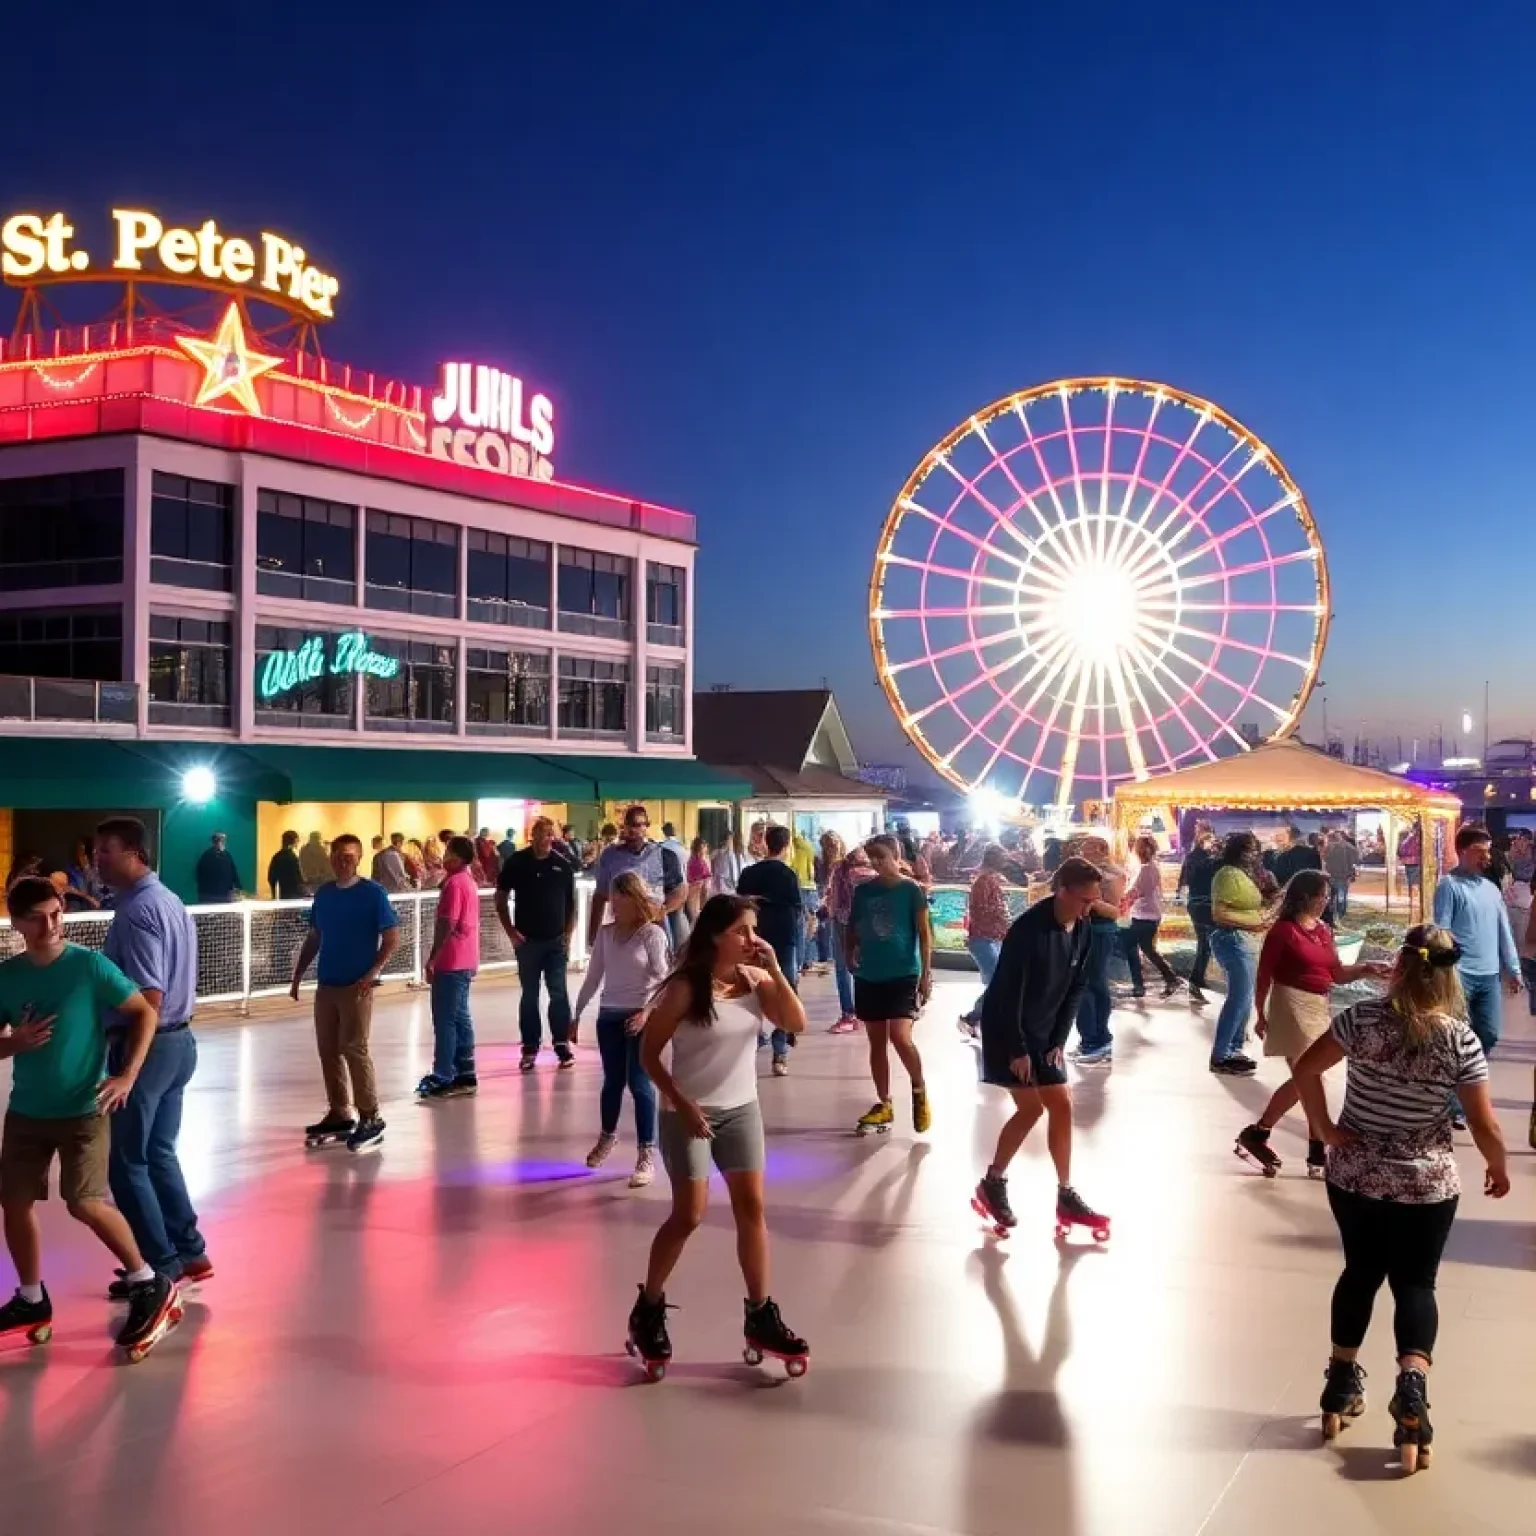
column 1424, row 954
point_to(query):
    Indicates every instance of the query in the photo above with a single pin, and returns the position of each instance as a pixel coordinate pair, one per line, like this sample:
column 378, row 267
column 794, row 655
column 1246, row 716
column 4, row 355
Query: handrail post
column 245, row 958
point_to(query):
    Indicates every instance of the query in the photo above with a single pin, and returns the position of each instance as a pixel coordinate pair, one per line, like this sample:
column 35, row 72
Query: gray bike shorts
column 736, row 1147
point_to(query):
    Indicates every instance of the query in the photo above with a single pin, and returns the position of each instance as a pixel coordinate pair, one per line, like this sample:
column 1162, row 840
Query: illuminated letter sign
column 486, row 418
column 34, row 248
column 284, row 671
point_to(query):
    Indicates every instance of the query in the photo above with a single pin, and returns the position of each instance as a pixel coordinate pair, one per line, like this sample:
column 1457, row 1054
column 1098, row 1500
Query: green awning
column 439, row 772
column 657, row 778
column 64, row 772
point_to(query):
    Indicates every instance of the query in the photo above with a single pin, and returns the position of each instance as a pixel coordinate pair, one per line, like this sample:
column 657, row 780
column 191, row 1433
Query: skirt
column 1295, row 1020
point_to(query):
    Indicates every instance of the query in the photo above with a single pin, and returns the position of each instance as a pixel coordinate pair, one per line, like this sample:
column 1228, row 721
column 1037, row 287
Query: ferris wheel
column 1096, row 580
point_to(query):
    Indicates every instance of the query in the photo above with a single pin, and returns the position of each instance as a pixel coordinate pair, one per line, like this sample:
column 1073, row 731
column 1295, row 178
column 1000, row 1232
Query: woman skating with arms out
column 726, row 984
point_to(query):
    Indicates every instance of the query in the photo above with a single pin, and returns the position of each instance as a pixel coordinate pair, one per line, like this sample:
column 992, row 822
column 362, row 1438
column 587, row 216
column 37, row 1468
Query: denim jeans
column 1485, row 1006
column 620, row 1053
column 1200, row 921
column 453, row 1031
column 823, row 936
column 143, row 1169
column 844, row 975
column 1340, row 897
column 543, row 960
column 1236, row 957
column 788, row 956
column 1528, row 970
column 1141, row 939
column 1094, row 1010
column 984, row 952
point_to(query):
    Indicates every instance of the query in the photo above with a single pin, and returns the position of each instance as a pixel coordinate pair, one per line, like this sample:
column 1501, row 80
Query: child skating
column 54, row 998
column 726, row 984
column 890, row 952
column 1027, row 1014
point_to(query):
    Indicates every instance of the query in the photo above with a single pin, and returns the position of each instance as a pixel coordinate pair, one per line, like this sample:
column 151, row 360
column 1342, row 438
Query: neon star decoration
column 230, row 367
column 1094, row 581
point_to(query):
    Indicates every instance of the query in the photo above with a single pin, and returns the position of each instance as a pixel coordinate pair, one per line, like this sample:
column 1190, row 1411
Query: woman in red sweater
column 1298, row 967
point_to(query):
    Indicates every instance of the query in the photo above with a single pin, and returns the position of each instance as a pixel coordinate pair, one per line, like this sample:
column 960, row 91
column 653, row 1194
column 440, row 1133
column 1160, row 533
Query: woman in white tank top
column 727, row 983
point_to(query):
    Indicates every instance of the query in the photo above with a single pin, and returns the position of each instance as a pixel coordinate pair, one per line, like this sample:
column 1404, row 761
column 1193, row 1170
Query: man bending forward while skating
column 1026, row 1015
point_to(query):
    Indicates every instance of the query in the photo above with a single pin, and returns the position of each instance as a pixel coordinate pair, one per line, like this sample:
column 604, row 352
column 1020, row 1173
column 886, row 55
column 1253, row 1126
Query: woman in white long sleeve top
column 630, row 960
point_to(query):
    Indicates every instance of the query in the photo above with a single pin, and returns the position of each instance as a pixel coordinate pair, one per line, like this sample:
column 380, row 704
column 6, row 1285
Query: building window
column 306, row 548
column 61, row 531
column 189, row 662
column 419, row 697
column 594, row 593
column 663, row 703
column 87, row 643
column 324, row 701
column 594, row 697
column 664, row 612
column 506, row 693
column 412, row 565
column 192, row 533
column 508, row 580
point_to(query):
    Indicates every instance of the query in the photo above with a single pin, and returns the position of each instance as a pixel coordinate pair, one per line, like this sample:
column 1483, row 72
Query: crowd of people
column 696, row 965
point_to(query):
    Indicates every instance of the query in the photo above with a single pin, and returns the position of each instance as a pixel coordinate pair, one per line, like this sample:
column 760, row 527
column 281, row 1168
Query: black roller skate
column 33, row 1318
column 1253, row 1144
column 154, row 1308
column 1317, row 1160
column 1343, row 1396
column 329, row 1131
column 765, row 1334
column 1073, row 1211
column 647, row 1340
column 990, row 1202
column 1410, row 1408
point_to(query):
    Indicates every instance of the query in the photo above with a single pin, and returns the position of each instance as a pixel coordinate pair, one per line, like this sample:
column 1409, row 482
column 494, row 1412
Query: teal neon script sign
column 286, row 670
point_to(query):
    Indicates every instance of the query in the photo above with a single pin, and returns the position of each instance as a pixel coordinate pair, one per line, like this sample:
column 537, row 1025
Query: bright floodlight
column 199, row 784
column 1091, row 581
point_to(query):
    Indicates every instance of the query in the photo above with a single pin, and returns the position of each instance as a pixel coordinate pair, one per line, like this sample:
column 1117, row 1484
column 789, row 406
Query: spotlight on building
column 199, row 784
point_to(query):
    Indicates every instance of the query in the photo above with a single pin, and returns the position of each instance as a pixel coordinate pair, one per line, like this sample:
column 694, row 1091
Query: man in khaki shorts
column 54, row 999
column 354, row 931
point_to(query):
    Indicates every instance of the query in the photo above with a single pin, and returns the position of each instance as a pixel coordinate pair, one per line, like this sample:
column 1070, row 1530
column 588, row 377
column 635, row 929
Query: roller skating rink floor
column 429, row 1338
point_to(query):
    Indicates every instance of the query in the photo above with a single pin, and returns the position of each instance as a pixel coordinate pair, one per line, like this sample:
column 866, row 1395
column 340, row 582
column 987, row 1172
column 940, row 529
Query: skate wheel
column 173, row 1317
column 752, row 1356
column 629, row 1348
column 1408, row 1454
column 1425, row 1452
column 1000, row 1231
column 1061, row 1231
column 1101, row 1234
column 655, row 1370
column 1332, row 1424
column 41, row 1334
column 137, row 1353
column 797, row 1365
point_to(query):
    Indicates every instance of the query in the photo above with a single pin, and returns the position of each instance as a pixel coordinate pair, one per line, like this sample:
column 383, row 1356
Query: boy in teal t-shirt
column 890, row 952
column 53, row 1002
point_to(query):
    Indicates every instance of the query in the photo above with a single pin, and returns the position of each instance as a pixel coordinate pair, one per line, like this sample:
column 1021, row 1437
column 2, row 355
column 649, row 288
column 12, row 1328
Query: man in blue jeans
column 1471, row 908
column 153, row 941
column 451, row 966
column 536, row 905
column 1096, row 1044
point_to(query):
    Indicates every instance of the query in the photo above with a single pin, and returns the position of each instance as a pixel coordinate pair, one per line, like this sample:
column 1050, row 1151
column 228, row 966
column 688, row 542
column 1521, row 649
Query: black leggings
column 1401, row 1244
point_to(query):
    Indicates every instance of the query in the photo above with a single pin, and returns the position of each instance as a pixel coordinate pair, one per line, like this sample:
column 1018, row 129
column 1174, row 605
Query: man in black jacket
column 1195, row 876
column 1026, row 1016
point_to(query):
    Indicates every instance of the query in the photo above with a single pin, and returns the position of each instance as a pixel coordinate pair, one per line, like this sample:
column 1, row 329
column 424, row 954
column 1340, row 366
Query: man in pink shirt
column 451, row 966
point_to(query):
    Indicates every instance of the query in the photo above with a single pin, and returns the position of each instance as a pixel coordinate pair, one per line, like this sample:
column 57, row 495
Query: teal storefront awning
column 62, row 773
column 657, row 778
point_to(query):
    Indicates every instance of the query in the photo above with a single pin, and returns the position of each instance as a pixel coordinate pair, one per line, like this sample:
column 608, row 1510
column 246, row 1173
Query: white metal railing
column 246, row 949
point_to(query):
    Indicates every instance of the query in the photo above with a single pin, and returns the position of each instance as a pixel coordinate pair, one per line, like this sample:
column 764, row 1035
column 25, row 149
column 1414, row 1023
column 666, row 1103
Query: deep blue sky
column 764, row 256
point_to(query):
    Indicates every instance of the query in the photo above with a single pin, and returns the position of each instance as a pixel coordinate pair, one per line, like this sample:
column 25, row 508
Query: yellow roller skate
column 877, row 1121
column 922, row 1116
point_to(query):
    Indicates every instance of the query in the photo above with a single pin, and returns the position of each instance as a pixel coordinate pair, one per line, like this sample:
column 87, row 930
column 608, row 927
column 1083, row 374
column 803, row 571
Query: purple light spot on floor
column 518, row 1171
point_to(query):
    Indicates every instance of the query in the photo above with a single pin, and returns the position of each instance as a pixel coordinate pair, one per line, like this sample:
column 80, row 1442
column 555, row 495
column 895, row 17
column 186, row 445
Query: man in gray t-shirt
column 656, row 866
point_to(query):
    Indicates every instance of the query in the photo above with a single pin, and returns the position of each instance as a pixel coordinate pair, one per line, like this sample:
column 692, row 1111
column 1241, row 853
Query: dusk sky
column 764, row 257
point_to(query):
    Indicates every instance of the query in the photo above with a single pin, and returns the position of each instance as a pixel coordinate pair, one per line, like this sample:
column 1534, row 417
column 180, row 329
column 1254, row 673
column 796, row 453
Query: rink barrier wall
column 246, row 949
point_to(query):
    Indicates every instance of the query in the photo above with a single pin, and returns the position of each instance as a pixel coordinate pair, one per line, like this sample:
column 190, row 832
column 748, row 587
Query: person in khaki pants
column 354, row 931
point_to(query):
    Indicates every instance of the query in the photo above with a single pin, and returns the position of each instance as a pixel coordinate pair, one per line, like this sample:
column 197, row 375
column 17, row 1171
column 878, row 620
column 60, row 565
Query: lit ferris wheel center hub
column 1092, row 581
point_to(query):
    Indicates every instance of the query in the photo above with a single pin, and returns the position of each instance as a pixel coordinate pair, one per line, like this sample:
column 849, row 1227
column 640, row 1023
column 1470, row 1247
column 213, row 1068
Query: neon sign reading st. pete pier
column 284, row 671
column 488, row 419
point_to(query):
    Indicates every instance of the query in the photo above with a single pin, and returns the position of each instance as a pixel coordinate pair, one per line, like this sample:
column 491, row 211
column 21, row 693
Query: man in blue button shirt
column 153, row 941
column 1472, row 909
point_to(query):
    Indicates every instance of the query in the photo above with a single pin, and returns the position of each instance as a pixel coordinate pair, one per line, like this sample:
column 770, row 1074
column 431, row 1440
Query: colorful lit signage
column 487, row 418
column 38, row 248
column 284, row 671
column 230, row 367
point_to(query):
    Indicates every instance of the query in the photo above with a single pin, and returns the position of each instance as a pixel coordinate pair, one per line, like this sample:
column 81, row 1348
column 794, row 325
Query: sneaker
column 645, row 1168
column 848, row 1025
column 431, row 1087
column 781, row 1066
column 464, row 1085
column 1103, row 1057
column 1458, row 1122
column 922, row 1116
column 527, row 1059
column 1234, row 1066
column 1196, row 996
column 33, row 1318
column 566, row 1058
column 195, row 1271
column 369, row 1134
column 148, row 1303
column 599, row 1153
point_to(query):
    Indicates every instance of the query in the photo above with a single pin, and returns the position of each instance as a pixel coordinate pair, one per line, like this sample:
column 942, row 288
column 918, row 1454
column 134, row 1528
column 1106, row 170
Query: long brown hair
column 1304, row 886
column 695, row 968
column 1425, row 988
